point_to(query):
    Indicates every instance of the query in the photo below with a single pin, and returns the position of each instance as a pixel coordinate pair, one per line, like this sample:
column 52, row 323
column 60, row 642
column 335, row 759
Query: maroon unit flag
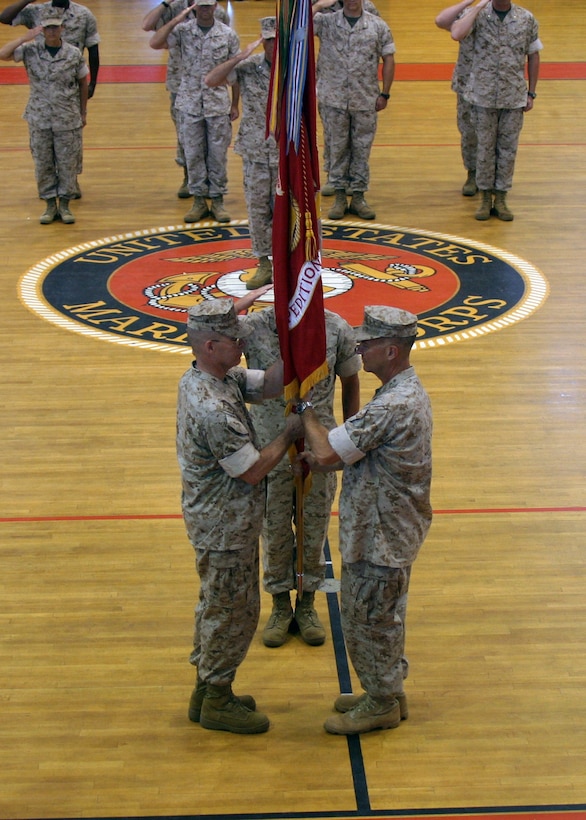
column 291, row 116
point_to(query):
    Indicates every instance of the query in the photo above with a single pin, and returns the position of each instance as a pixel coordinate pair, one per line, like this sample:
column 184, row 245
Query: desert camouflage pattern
column 260, row 183
column 463, row 65
column 220, row 512
column 347, row 89
column 253, row 76
column 497, row 87
column 278, row 537
column 350, row 135
column 385, row 514
column 500, row 49
column 465, row 118
column 200, row 52
column 385, row 509
column 260, row 155
column 80, row 27
column 349, row 57
column 367, row 5
column 202, row 113
column 223, row 518
column 53, row 113
column 54, row 85
column 205, row 144
column 173, row 80
column 173, row 76
column 227, row 613
column 498, row 136
column 57, row 156
column 466, row 121
column 372, row 612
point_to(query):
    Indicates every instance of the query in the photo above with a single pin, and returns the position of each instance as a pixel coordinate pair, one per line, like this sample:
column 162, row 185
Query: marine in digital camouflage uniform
column 465, row 112
column 155, row 19
column 505, row 37
column 80, row 28
column 222, row 467
column 251, row 74
column 352, row 44
column 385, row 514
column 55, row 112
column 278, row 533
column 203, row 113
column 328, row 188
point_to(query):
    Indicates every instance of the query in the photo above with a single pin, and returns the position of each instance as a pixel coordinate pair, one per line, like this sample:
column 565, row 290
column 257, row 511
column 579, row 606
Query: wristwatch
column 531, row 94
column 302, row 407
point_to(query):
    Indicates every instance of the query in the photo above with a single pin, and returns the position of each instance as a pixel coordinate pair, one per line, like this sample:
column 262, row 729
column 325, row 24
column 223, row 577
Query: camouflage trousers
column 327, row 139
column 349, row 136
column 498, row 131
column 205, row 144
column 227, row 613
column 57, row 156
column 373, row 605
column 179, row 153
column 260, row 182
column 278, row 536
column 466, row 119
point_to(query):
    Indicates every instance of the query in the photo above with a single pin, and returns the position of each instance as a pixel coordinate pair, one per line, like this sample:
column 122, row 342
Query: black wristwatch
column 531, row 94
column 386, row 96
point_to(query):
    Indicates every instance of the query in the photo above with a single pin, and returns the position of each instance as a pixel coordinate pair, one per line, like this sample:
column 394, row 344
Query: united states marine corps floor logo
column 136, row 289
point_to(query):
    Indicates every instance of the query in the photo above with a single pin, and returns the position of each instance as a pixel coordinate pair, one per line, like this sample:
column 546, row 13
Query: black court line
column 354, row 747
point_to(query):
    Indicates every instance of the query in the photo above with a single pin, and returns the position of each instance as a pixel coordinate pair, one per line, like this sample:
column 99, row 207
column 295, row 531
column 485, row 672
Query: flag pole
column 299, row 531
column 298, row 293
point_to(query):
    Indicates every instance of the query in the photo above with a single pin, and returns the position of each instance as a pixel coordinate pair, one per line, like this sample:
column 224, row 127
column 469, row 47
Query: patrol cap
column 268, row 28
column 51, row 18
column 381, row 322
column 205, row 3
column 217, row 316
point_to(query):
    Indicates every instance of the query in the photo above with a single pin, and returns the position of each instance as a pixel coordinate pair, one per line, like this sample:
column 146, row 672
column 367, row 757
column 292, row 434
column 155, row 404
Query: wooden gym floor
column 97, row 581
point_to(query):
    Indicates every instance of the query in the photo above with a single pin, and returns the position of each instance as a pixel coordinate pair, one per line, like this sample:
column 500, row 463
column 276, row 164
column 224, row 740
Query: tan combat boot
column 183, row 192
column 338, row 209
column 310, row 627
column 275, row 632
column 199, row 209
column 346, row 702
column 470, row 187
column 501, row 207
column 223, row 711
column 50, row 213
column 484, row 209
column 263, row 274
column 198, row 694
column 218, row 211
column 368, row 714
column 66, row 216
column 359, row 206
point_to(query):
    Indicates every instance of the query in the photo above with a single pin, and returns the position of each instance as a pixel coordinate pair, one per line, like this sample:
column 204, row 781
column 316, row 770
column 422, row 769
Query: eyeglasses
column 368, row 343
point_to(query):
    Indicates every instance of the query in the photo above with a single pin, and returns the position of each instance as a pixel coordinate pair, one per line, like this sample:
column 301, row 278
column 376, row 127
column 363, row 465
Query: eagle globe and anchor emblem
column 136, row 289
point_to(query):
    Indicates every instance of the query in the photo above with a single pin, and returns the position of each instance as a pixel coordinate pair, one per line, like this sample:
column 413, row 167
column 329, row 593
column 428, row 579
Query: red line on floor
column 405, row 72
